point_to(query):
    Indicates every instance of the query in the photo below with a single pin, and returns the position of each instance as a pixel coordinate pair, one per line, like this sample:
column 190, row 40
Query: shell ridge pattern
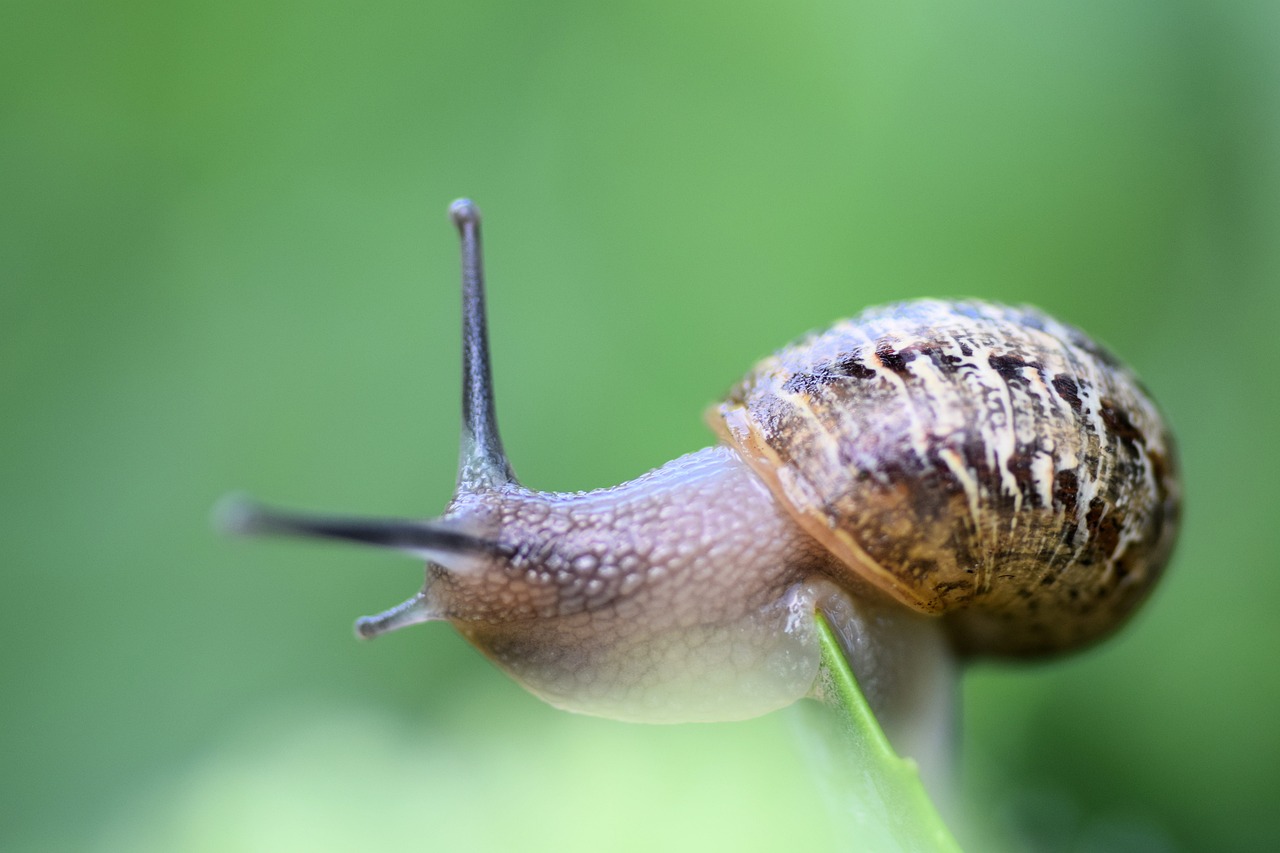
column 986, row 460
column 1086, row 486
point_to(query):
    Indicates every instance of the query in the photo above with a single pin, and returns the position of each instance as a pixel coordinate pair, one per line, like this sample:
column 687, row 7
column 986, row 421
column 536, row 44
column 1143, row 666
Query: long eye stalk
column 483, row 464
column 424, row 539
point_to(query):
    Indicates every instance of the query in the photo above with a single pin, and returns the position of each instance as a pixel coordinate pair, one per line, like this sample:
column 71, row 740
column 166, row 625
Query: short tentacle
column 411, row 612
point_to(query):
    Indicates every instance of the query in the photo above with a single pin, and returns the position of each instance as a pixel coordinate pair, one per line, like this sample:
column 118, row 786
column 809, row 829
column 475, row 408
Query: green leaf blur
column 225, row 264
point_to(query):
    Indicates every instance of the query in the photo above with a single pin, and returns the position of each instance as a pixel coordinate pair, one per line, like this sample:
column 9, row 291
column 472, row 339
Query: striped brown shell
column 972, row 459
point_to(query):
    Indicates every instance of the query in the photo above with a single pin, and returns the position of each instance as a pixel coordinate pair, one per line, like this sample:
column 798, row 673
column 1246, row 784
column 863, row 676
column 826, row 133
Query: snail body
column 936, row 477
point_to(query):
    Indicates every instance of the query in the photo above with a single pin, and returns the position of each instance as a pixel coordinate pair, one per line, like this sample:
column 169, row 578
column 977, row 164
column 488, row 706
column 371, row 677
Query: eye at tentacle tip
column 237, row 514
column 464, row 211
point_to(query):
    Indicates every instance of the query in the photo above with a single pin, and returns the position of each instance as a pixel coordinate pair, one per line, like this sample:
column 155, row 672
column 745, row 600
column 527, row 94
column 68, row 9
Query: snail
column 941, row 479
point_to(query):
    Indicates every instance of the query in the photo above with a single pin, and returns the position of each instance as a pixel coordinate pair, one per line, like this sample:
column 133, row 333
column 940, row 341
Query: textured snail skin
column 682, row 595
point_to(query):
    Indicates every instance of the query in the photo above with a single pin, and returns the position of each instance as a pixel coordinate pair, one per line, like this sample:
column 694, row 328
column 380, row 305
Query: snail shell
column 968, row 458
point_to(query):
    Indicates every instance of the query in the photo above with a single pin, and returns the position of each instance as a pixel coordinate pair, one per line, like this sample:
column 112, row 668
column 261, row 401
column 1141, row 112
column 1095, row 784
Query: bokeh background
column 225, row 264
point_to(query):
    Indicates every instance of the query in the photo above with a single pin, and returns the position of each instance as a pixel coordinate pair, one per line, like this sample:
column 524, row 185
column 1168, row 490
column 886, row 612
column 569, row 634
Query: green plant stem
column 878, row 793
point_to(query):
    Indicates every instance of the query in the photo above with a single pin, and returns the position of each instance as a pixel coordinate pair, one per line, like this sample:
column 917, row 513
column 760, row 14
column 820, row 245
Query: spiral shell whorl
column 972, row 459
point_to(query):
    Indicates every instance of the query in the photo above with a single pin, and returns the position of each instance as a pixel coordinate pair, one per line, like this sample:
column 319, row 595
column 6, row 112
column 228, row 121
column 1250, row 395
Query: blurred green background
column 225, row 264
